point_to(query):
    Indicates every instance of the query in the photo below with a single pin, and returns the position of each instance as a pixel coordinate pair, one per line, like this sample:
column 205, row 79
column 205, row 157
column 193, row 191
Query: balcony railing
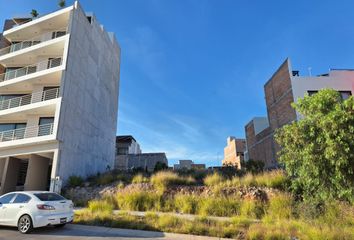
column 33, row 41
column 28, row 99
column 28, row 132
column 40, row 66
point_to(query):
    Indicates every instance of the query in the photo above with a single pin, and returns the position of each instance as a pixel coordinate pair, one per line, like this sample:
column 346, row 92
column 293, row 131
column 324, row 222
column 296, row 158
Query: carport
column 25, row 172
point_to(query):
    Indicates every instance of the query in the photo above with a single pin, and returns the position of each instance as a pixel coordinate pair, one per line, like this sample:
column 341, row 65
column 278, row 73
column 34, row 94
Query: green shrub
column 248, row 180
column 139, row 201
column 213, row 180
column 267, row 232
column 272, row 179
column 75, row 181
column 100, row 206
column 337, row 213
column 159, row 166
column 219, row 206
column 163, row 179
column 186, row 203
column 252, row 209
column 169, row 222
column 139, row 178
column 123, row 177
column 280, row 207
column 165, row 223
column 105, row 179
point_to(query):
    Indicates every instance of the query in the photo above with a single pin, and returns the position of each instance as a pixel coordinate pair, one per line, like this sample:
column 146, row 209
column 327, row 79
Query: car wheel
column 25, row 224
column 60, row 225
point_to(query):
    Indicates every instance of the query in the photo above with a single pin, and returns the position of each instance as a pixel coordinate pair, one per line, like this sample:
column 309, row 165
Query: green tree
column 254, row 166
column 160, row 166
column 318, row 150
column 61, row 3
column 34, row 13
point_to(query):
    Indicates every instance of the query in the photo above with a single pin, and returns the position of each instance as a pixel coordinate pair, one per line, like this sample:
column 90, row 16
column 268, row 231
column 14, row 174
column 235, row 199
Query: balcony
column 33, row 41
column 26, row 26
column 40, row 66
column 29, row 99
column 28, row 132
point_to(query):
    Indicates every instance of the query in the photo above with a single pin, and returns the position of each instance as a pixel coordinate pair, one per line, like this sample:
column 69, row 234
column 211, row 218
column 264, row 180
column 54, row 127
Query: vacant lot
column 258, row 206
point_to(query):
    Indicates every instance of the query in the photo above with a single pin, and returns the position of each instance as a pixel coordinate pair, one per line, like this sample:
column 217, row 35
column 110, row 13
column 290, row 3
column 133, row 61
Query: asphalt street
column 80, row 232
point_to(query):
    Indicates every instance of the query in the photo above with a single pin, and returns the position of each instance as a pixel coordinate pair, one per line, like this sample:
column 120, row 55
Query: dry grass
column 164, row 179
column 139, row 178
column 165, row 223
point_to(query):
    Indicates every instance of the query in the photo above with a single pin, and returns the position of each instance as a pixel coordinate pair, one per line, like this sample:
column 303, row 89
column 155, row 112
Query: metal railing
column 28, row 132
column 28, row 99
column 40, row 66
column 33, row 41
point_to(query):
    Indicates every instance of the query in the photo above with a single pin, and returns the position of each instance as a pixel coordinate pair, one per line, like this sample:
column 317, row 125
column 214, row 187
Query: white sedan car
column 28, row 210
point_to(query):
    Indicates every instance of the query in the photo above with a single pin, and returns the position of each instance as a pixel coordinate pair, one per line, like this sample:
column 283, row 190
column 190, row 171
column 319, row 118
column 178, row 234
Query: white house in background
column 59, row 84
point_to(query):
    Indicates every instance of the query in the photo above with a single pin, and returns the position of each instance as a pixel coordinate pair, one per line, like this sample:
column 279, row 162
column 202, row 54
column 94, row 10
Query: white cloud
column 179, row 139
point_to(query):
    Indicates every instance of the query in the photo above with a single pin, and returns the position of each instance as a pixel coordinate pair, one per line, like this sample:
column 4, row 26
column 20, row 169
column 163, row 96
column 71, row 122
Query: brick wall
column 260, row 146
column 278, row 96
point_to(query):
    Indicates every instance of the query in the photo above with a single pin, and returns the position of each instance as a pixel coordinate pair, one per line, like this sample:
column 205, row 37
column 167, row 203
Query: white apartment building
column 59, row 84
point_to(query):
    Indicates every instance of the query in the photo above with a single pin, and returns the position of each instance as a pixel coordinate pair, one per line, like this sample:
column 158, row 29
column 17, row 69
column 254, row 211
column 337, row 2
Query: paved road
column 80, row 232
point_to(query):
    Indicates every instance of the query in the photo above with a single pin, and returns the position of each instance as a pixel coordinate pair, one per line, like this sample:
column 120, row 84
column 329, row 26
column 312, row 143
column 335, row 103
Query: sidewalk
column 128, row 233
column 179, row 215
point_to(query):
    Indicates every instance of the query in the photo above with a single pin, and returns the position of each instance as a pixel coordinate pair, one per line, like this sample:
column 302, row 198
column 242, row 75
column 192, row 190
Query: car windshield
column 49, row 196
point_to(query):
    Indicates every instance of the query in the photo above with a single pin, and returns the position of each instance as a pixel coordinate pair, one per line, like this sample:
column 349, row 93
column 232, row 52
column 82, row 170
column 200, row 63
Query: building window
column 11, row 131
column 58, row 34
column 345, row 94
column 310, row 93
column 45, row 126
column 122, row 151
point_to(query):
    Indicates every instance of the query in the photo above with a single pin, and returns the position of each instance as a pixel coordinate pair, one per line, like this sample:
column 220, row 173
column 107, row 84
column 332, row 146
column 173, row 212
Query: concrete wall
column 88, row 115
column 10, row 175
column 2, row 167
column 134, row 148
column 145, row 161
column 338, row 80
column 37, row 173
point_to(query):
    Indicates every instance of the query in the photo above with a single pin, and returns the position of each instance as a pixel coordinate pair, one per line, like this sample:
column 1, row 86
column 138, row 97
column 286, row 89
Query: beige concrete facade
column 234, row 152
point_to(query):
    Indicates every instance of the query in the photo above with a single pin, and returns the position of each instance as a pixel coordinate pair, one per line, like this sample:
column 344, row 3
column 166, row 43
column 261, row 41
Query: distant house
column 188, row 165
column 127, row 145
column 130, row 157
column 234, row 152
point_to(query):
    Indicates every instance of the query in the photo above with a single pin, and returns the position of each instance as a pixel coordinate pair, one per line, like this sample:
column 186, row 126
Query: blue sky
column 192, row 71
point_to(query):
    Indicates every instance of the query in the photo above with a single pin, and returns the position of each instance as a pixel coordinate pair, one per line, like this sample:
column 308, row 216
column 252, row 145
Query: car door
column 4, row 204
column 15, row 207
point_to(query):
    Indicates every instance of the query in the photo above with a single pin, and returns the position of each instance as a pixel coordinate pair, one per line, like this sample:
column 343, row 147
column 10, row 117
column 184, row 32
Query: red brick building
column 283, row 88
